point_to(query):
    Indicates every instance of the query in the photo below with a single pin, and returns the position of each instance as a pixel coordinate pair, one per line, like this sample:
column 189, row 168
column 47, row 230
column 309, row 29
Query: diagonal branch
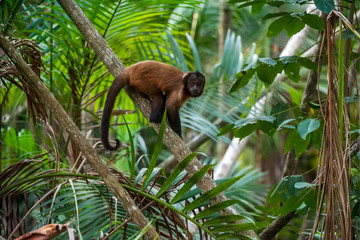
column 76, row 136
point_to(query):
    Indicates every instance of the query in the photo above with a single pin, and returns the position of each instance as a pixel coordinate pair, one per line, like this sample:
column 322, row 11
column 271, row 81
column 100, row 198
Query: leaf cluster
column 266, row 70
column 291, row 194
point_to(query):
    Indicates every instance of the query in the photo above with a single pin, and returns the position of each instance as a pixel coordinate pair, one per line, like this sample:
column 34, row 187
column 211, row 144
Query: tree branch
column 275, row 227
column 77, row 137
column 170, row 163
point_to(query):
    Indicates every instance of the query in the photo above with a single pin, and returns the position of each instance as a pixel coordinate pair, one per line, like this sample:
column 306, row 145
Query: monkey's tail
column 118, row 83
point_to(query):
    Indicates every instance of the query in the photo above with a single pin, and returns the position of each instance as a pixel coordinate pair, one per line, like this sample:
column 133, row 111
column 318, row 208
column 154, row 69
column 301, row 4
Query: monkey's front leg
column 174, row 119
column 157, row 108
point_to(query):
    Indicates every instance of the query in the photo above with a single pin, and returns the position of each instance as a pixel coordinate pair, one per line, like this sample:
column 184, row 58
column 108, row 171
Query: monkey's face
column 195, row 83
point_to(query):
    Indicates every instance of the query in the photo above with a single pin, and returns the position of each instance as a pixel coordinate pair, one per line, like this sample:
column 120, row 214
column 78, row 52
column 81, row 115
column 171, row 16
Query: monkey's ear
column 186, row 77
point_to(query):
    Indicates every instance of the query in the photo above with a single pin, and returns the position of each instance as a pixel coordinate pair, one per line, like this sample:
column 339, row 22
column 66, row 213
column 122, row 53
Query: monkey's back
column 152, row 77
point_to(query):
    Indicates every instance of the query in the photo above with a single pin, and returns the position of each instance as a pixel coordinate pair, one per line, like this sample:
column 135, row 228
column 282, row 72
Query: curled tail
column 118, row 83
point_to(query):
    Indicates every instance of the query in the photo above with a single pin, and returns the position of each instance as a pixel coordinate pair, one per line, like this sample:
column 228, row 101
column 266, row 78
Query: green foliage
column 17, row 145
column 307, row 126
column 190, row 183
column 325, row 5
column 292, row 23
column 246, row 126
column 211, row 193
column 290, row 194
column 73, row 196
column 267, row 69
column 294, row 140
column 170, row 180
column 131, row 160
column 156, row 153
column 215, row 209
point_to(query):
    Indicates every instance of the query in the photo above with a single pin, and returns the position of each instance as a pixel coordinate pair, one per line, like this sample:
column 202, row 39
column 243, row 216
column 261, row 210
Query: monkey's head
column 194, row 83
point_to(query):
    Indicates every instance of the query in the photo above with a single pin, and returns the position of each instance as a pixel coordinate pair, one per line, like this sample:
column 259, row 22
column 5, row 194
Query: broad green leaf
column 280, row 111
column 272, row 15
column 288, row 59
column 278, row 25
column 325, row 5
column 307, row 63
column 269, row 119
column 211, row 193
column 245, row 131
column 291, row 204
column 301, row 145
column 266, row 124
column 284, row 123
column 294, row 140
column 307, row 126
column 310, row 198
column 268, row 61
column 295, row 94
column 242, row 78
column 215, row 209
column 290, row 141
column 238, row 227
column 245, row 121
column 291, row 183
column 313, row 21
column 295, row 25
column 176, row 172
column 222, row 220
column 245, row 127
column 267, row 73
column 301, row 185
column 273, row 197
column 257, row 7
column 292, row 71
column 226, row 129
column 191, row 182
column 277, row 3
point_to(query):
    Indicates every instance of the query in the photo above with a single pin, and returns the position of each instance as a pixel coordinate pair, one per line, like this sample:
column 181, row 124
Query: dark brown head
column 194, row 83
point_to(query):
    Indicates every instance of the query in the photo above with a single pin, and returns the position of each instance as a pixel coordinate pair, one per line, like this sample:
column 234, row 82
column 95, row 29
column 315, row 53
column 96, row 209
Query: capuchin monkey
column 166, row 86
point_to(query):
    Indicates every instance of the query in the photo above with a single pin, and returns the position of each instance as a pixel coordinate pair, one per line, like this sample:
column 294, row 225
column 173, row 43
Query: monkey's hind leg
column 157, row 108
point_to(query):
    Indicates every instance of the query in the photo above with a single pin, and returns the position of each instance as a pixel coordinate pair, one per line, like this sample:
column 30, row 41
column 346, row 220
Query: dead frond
column 8, row 72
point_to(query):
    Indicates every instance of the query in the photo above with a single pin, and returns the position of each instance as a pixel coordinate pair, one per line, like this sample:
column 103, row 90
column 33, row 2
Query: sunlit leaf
column 325, row 5
column 307, row 126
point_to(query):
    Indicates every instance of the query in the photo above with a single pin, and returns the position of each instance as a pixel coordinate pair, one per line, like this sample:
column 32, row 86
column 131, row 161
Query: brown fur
column 160, row 82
